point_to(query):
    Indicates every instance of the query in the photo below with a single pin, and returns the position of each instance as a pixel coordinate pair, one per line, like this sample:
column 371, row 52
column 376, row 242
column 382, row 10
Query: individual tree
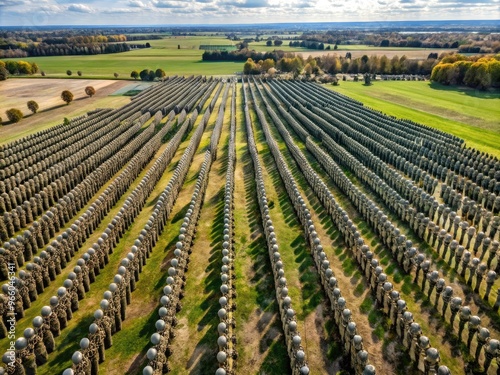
column 308, row 69
column 250, row 67
column 384, row 43
column 32, row 106
column 368, row 79
column 69, row 72
column 14, row 115
column 148, row 45
column 67, row 96
column 354, row 66
column 25, row 67
column 90, row 91
column 269, row 43
column 151, row 75
column 271, row 71
column 144, row 74
column 160, row 73
column 42, row 73
column 494, row 68
column 395, row 65
column 116, row 75
column 178, row 46
column 267, row 64
column 364, row 67
column 134, row 74
column 384, row 65
column 4, row 74
column 278, row 42
column 335, row 47
column 12, row 67
column 79, row 73
column 478, row 76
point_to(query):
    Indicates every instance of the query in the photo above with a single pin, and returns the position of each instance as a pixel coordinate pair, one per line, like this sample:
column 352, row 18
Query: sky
column 170, row 12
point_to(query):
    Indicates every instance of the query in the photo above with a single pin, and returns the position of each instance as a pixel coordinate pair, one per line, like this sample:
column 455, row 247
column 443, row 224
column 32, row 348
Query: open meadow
column 470, row 114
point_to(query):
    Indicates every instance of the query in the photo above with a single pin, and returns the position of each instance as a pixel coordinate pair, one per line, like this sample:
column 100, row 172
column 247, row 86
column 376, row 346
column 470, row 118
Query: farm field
column 211, row 226
column 356, row 50
column 15, row 93
column 470, row 114
column 164, row 54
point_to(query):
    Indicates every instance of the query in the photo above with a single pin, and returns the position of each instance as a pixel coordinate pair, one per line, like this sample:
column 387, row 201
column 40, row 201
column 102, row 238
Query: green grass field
column 164, row 54
column 469, row 114
column 186, row 60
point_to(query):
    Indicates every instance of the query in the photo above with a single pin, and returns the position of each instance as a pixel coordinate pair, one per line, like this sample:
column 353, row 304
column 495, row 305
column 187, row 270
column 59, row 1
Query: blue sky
column 135, row 12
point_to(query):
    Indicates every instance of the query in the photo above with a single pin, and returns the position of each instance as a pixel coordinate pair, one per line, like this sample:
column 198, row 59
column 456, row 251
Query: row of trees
column 43, row 49
column 241, row 55
column 477, row 72
column 148, row 75
column 276, row 42
column 333, row 64
column 488, row 42
column 10, row 67
column 15, row 115
column 307, row 44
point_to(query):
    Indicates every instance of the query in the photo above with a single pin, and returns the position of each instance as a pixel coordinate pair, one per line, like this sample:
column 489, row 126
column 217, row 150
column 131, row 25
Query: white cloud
column 80, row 8
column 136, row 4
column 248, row 3
column 169, row 4
column 12, row 3
column 60, row 12
column 118, row 10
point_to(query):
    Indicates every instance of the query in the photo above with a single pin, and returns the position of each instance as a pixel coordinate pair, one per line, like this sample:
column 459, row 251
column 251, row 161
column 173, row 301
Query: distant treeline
column 24, row 44
column 241, row 55
column 481, row 72
column 307, row 44
column 43, row 49
column 143, row 37
column 487, row 42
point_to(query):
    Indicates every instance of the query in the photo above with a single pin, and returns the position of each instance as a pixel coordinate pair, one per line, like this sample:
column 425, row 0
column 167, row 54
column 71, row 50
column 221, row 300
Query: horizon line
column 225, row 25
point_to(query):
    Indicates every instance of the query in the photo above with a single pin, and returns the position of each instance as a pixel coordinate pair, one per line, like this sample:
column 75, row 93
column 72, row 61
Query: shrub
column 67, row 96
column 90, row 91
column 160, row 73
column 14, row 115
column 32, row 106
column 69, row 72
column 116, row 75
column 42, row 73
column 134, row 74
column 79, row 73
column 4, row 74
column 66, row 121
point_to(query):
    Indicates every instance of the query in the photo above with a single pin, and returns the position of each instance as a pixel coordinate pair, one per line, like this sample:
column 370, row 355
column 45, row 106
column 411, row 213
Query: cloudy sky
column 164, row 12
